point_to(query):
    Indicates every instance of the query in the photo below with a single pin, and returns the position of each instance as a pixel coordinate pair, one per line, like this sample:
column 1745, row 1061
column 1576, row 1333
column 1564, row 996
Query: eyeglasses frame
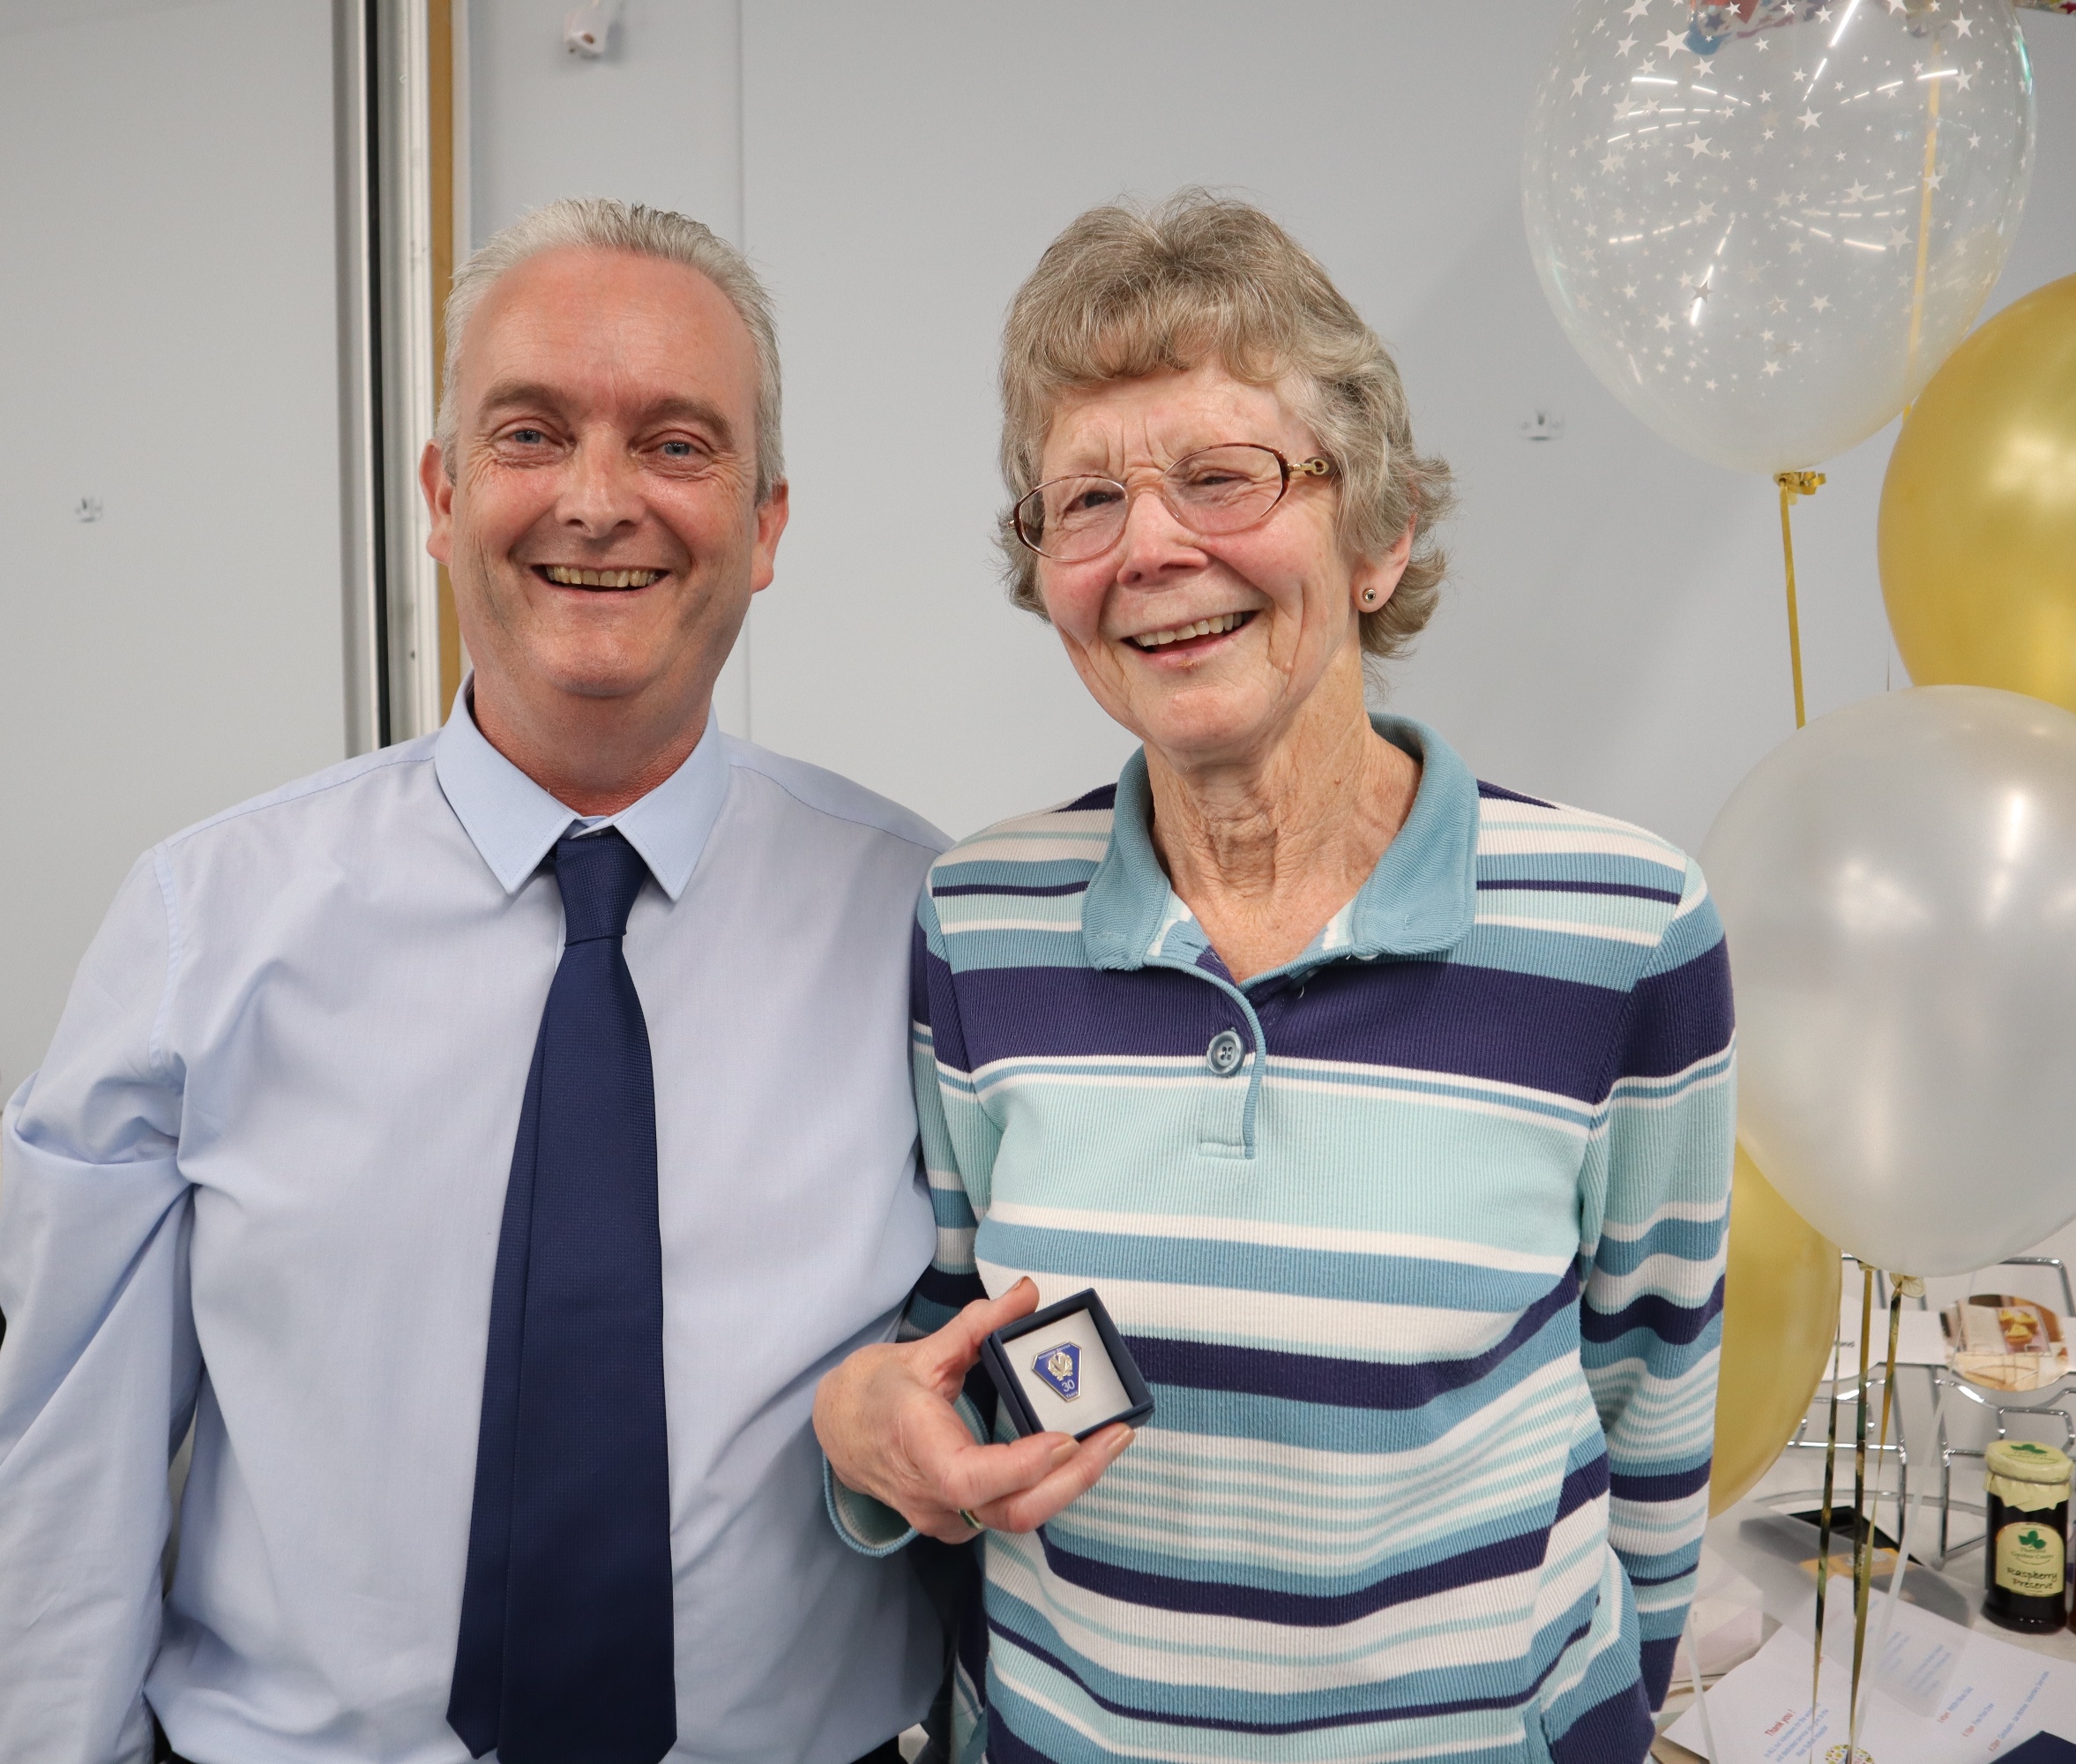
column 1318, row 467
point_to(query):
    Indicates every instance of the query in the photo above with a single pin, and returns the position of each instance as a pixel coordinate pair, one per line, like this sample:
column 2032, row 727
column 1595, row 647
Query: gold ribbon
column 1863, row 1561
column 1794, row 484
column 1863, row 1521
column 1831, row 1435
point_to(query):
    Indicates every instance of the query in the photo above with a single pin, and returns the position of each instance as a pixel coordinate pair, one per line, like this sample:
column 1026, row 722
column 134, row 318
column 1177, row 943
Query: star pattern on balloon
column 1740, row 164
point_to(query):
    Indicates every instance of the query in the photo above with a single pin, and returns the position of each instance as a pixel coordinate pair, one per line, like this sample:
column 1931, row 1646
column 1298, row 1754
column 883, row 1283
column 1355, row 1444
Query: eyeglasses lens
column 1224, row 489
column 1072, row 519
column 1221, row 489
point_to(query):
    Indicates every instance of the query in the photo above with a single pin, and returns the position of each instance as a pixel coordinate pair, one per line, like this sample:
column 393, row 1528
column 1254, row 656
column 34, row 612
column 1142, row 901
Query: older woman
column 1390, row 1112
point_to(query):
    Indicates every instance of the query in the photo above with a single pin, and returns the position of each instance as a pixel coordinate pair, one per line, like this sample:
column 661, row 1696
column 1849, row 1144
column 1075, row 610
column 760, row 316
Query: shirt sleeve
column 98, row 1366
column 954, row 1136
column 1656, row 1209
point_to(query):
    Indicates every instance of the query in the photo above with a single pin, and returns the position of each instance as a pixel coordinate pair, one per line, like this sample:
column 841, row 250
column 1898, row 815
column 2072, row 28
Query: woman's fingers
column 893, row 1435
column 946, row 1527
column 1067, row 1471
column 947, row 1357
column 862, row 1406
column 884, row 1418
column 976, row 1477
column 972, row 1477
column 1074, row 1474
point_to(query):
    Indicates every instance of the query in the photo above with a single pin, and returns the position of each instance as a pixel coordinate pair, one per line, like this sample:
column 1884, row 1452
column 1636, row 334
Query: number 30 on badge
column 1065, row 1369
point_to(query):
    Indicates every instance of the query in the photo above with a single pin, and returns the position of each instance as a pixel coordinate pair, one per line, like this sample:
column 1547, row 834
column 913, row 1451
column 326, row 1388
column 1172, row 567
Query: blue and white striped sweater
column 1428, row 1290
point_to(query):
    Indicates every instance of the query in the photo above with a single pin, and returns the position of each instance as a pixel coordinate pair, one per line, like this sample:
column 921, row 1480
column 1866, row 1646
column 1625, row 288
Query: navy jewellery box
column 1065, row 1369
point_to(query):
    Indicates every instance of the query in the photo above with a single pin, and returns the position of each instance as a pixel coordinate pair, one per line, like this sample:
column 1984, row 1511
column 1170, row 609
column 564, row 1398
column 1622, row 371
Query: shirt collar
column 513, row 822
column 1422, row 897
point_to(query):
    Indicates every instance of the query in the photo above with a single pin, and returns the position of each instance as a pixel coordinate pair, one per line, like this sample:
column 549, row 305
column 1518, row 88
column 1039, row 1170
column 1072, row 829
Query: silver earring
column 1369, row 597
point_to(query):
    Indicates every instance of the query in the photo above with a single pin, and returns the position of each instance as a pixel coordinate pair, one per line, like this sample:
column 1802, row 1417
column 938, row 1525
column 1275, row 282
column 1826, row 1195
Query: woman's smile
column 1192, row 637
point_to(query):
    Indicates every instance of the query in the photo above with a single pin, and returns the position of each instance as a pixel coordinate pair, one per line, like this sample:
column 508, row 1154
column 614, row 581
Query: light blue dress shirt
column 260, row 1177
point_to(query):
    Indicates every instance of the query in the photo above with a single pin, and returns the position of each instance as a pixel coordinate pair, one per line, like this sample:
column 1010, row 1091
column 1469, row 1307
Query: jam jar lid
column 2027, row 1461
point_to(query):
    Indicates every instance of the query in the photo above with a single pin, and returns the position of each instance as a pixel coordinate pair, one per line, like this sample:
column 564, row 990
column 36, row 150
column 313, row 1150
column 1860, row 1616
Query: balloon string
column 1792, row 485
column 1860, row 1447
column 1924, row 226
column 1824, row 1547
column 1863, row 1546
column 1905, row 1287
column 1694, row 1678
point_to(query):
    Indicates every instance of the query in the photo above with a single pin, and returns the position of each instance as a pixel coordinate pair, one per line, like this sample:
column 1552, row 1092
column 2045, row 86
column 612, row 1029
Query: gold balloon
column 1978, row 513
column 1779, row 1318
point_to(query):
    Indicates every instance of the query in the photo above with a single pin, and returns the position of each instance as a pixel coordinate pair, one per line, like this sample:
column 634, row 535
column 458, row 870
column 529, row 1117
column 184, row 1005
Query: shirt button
column 1224, row 1054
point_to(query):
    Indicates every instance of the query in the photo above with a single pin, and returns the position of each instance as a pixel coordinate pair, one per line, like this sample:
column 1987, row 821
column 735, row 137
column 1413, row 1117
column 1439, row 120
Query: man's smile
column 569, row 576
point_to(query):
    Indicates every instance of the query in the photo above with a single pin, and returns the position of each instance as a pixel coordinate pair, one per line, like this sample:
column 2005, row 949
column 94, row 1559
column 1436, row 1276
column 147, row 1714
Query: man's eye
column 529, row 438
column 677, row 449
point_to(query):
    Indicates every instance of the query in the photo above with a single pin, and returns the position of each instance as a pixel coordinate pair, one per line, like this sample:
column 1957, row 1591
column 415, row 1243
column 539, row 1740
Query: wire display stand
column 2048, row 1405
column 2041, row 1408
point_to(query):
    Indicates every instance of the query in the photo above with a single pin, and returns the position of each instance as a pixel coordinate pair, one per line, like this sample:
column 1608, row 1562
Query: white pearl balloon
column 1898, row 887
column 1766, row 225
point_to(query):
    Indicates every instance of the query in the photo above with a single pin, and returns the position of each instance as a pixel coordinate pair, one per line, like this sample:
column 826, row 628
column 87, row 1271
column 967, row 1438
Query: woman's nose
column 1154, row 541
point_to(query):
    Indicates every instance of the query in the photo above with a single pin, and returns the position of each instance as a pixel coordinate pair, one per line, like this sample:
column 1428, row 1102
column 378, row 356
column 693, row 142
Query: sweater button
column 1224, row 1054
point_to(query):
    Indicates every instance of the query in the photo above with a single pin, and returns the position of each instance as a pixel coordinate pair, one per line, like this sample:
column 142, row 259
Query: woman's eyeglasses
column 1219, row 490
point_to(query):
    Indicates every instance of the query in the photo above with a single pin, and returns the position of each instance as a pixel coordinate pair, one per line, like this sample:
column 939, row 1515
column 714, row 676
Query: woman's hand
column 884, row 1417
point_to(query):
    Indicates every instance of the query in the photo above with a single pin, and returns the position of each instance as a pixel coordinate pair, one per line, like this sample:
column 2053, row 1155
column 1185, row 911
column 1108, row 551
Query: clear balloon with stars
column 1766, row 224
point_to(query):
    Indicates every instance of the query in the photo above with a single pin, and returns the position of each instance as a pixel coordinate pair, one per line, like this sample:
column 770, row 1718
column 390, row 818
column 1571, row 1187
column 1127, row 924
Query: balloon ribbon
column 1792, row 485
column 1912, row 1287
column 1864, row 1564
column 1830, row 1475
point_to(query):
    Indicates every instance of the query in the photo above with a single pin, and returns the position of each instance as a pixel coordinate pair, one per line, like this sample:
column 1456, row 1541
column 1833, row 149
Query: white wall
column 1614, row 634
column 167, row 297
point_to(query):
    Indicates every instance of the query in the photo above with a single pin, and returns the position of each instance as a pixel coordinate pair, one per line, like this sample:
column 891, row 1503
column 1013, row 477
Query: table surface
column 1758, row 1544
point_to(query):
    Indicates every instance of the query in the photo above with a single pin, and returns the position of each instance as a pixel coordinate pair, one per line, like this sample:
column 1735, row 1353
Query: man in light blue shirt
column 267, row 1178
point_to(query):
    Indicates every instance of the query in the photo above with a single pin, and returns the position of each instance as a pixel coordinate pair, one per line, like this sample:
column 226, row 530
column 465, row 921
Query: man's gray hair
column 598, row 223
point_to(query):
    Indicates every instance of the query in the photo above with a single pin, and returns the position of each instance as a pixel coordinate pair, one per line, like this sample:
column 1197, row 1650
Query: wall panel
column 167, row 291
column 1615, row 632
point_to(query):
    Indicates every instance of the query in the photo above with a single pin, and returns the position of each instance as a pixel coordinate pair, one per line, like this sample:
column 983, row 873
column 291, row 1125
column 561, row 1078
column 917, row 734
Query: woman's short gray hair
column 1128, row 290
column 598, row 223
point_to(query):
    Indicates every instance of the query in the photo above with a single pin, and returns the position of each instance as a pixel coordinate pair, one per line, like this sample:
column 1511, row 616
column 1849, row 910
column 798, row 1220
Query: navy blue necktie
column 565, row 1652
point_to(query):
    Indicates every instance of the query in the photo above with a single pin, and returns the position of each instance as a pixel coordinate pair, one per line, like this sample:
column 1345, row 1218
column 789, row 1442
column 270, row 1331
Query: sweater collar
column 1421, row 898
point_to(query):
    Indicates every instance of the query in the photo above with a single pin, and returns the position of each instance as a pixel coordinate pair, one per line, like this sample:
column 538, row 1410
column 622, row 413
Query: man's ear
column 439, row 500
column 771, row 517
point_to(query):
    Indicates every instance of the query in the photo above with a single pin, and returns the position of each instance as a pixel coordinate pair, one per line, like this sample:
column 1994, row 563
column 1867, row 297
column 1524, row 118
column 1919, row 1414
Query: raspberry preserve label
column 2029, row 1560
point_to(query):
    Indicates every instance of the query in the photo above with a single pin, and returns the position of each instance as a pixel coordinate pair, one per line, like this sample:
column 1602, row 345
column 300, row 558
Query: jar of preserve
column 2026, row 1506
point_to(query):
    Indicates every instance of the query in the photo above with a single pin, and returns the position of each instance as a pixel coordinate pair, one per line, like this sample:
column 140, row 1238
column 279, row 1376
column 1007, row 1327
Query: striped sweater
column 1427, row 1287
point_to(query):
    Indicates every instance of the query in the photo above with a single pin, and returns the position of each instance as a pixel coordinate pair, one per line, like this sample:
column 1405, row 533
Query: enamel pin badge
column 1061, row 1368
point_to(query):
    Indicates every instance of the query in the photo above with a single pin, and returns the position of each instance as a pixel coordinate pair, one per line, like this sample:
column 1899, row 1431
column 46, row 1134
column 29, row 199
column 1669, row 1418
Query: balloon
column 1897, row 886
column 1765, row 225
column 1978, row 514
column 1780, row 1315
